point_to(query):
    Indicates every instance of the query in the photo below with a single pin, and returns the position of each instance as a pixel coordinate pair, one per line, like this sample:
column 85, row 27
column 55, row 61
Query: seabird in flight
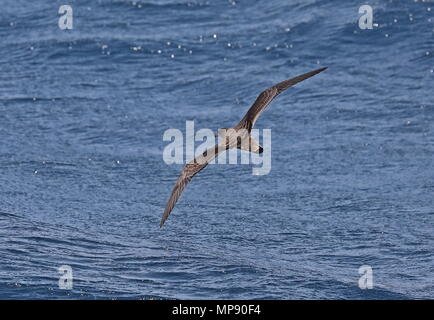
column 237, row 137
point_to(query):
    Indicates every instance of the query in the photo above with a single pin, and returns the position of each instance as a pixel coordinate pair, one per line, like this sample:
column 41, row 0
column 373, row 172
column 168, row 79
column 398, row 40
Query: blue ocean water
column 83, row 182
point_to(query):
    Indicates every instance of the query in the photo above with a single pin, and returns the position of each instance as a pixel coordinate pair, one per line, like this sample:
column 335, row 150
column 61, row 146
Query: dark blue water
column 83, row 181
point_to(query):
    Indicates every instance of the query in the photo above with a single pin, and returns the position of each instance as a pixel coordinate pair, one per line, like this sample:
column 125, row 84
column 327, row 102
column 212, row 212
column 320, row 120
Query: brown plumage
column 265, row 98
column 190, row 170
column 232, row 141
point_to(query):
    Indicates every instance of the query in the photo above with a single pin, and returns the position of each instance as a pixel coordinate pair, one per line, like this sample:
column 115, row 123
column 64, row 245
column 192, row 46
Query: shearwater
column 236, row 137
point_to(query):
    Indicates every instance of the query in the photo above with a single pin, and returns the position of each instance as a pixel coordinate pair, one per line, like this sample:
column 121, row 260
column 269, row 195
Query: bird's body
column 236, row 137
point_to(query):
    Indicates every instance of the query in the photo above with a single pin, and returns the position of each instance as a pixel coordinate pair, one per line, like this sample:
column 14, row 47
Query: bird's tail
column 251, row 145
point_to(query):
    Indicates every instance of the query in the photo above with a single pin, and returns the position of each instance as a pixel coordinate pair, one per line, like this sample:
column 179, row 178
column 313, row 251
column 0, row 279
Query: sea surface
column 83, row 182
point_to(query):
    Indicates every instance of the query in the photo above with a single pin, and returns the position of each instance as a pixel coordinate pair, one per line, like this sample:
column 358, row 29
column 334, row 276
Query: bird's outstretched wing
column 190, row 170
column 265, row 98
